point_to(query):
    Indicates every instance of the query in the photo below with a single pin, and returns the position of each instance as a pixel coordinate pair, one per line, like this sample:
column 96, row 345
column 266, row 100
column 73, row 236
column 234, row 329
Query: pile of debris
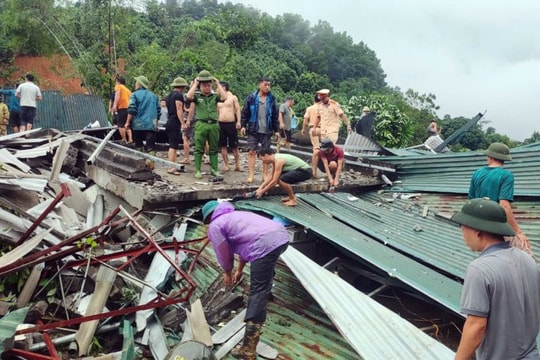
column 80, row 264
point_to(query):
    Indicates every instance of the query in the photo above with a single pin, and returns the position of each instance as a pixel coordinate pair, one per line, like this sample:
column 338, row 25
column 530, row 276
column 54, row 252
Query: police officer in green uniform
column 207, row 126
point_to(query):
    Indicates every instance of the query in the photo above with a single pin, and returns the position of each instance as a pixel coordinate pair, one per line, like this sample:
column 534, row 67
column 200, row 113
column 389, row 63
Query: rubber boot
column 214, row 165
column 198, row 163
column 248, row 350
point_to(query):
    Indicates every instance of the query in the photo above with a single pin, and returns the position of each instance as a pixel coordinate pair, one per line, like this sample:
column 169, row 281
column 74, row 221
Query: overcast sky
column 473, row 55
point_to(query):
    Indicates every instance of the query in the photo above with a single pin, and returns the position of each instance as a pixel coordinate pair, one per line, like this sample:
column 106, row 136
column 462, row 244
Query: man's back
column 503, row 285
column 495, row 183
column 29, row 93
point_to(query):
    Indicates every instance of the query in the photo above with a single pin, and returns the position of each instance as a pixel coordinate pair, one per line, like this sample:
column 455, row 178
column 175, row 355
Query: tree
column 392, row 128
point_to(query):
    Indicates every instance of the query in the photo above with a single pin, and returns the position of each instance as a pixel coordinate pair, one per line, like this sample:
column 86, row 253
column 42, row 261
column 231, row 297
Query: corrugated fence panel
column 82, row 110
column 50, row 112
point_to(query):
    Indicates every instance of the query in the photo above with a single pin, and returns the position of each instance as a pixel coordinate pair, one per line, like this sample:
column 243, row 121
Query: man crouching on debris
column 501, row 292
column 286, row 170
column 257, row 240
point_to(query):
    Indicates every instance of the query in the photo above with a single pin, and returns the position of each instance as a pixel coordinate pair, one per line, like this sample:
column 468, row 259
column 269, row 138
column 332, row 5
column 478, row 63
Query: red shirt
column 333, row 155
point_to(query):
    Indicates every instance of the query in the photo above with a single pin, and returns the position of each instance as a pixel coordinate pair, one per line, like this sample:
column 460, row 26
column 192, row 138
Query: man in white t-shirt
column 30, row 94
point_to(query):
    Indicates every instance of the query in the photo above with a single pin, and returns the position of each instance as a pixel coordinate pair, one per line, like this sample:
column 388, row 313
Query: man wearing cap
column 207, row 127
column 495, row 182
column 143, row 111
column 501, row 292
column 175, row 121
column 328, row 116
column 310, row 118
column 229, row 124
column 364, row 125
column 14, row 106
column 286, row 170
column 257, row 240
column 332, row 158
column 259, row 120
column 119, row 108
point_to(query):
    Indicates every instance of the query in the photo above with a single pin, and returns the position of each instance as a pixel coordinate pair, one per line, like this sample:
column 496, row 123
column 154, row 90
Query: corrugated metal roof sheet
column 451, row 172
column 366, row 248
column 400, row 225
column 373, row 330
column 70, row 112
column 526, row 212
column 296, row 325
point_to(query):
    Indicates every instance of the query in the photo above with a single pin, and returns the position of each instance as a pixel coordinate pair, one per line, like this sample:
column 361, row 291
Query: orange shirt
column 123, row 100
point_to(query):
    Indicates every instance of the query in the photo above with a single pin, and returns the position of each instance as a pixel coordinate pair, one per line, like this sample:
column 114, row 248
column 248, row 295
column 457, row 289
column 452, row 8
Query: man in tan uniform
column 229, row 124
column 329, row 114
column 310, row 118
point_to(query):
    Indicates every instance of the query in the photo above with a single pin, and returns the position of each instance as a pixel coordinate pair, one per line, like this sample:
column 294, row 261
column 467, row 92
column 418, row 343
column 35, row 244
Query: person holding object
column 501, row 291
column 286, row 170
column 332, row 158
column 256, row 240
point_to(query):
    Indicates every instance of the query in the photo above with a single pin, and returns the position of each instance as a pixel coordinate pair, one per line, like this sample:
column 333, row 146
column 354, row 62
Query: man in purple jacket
column 257, row 240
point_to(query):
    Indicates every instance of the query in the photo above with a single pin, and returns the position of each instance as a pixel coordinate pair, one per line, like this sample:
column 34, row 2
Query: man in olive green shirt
column 206, row 127
column 286, row 170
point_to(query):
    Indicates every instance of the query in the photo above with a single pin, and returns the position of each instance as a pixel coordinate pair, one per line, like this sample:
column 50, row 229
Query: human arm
column 115, row 102
column 191, row 93
column 474, row 330
column 180, row 112
column 220, row 90
column 346, row 121
column 280, row 116
column 245, row 113
column 237, row 115
column 511, row 219
column 239, row 270
column 271, row 181
column 327, row 170
column 338, row 171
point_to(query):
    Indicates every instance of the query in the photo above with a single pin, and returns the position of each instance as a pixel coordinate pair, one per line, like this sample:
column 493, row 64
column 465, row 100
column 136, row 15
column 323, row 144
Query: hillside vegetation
column 238, row 44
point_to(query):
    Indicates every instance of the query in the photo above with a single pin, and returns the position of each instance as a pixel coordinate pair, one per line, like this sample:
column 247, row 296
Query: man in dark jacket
column 260, row 121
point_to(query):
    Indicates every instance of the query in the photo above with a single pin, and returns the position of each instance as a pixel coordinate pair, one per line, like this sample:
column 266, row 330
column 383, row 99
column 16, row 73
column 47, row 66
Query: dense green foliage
column 238, row 44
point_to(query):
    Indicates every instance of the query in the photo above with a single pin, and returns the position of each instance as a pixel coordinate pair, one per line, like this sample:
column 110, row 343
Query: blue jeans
column 262, row 276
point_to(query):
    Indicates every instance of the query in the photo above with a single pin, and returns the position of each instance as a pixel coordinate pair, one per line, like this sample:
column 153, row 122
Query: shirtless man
column 229, row 124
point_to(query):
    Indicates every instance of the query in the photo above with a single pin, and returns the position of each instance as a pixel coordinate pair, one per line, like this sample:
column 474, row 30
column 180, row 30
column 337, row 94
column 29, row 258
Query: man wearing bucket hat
column 175, row 122
column 501, row 291
column 495, row 182
column 143, row 111
column 257, row 240
column 206, row 127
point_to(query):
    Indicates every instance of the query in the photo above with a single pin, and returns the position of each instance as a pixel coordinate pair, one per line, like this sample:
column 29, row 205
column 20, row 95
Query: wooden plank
column 199, row 326
column 230, row 329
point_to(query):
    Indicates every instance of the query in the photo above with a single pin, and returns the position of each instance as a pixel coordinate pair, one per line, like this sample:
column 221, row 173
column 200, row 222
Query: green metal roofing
column 445, row 290
column 296, row 325
column 451, row 172
column 69, row 112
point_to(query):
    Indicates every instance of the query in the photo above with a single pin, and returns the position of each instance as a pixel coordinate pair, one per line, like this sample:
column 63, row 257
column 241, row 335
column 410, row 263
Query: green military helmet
column 499, row 151
column 484, row 215
column 205, row 75
column 179, row 82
